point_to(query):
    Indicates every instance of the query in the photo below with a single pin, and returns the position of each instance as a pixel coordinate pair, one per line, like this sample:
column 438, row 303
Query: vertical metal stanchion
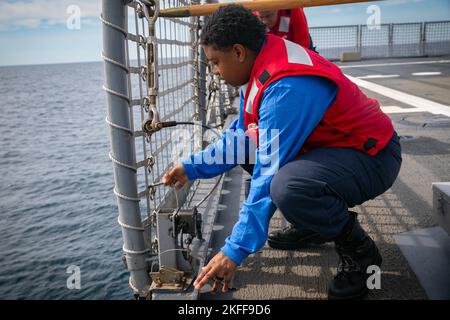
column 195, row 75
column 202, row 83
column 359, row 40
column 390, row 40
column 114, row 14
column 169, row 255
column 422, row 38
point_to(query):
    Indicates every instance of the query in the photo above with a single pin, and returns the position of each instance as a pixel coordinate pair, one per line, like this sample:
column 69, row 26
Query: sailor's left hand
column 220, row 270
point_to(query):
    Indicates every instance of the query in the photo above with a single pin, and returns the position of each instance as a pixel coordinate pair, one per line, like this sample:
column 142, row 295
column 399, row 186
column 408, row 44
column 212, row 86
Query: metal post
column 169, row 255
column 422, row 38
column 391, row 39
column 202, row 65
column 359, row 40
column 195, row 74
column 202, row 83
column 114, row 14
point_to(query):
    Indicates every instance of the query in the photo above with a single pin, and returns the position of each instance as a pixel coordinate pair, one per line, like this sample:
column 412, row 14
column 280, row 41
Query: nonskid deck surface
column 419, row 106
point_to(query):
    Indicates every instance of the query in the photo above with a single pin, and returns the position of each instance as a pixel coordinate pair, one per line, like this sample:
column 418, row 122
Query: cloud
column 345, row 8
column 398, row 2
column 34, row 14
column 335, row 10
column 341, row 9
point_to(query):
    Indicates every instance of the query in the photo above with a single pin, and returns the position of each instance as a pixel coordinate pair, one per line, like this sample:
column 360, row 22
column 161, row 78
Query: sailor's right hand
column 175, row 177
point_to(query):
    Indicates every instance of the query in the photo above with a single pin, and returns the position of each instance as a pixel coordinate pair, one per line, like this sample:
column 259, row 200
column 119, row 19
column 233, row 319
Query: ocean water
column 57, row 207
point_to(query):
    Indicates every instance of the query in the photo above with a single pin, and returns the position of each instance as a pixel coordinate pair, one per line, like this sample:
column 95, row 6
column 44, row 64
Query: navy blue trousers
column 315, row 190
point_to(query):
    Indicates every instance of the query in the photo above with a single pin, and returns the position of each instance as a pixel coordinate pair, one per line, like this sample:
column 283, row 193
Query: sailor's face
column 269, row 18
column 232, row 65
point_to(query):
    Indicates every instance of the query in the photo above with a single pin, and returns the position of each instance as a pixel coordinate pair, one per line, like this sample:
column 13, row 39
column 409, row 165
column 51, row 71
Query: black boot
column 357, row 252
column 290, row 238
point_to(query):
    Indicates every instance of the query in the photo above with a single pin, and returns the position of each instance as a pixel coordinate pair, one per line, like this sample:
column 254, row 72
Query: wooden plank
column 258, row 5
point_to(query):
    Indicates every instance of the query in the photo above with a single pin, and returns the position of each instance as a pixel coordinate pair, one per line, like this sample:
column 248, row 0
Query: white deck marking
column 426, row 73
column 414, row 101
column 393, row 64
column 396, row 109
column 379, row 76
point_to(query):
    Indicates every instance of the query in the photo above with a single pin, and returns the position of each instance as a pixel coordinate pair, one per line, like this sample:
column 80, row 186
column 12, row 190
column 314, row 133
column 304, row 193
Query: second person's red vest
column 292, row 25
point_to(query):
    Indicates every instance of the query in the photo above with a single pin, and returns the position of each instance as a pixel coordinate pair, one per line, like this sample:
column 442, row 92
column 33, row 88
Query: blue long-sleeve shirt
column 292, row 105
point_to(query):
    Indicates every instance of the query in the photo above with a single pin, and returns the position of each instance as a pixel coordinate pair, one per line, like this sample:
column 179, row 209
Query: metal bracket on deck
column 171, row 279
column 168, row 277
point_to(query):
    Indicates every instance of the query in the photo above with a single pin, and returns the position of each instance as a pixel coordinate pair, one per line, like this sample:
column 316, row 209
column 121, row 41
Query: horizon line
column 323, row 26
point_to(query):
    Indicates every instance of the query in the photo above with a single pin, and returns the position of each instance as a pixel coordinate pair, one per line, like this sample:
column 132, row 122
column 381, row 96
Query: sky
column 49, row 31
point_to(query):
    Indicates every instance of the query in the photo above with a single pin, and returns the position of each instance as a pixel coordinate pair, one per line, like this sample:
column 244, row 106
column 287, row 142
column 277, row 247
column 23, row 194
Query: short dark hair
column 233, row 24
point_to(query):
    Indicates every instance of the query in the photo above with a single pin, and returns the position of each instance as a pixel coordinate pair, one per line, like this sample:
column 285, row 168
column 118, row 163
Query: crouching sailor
column 334, row 149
